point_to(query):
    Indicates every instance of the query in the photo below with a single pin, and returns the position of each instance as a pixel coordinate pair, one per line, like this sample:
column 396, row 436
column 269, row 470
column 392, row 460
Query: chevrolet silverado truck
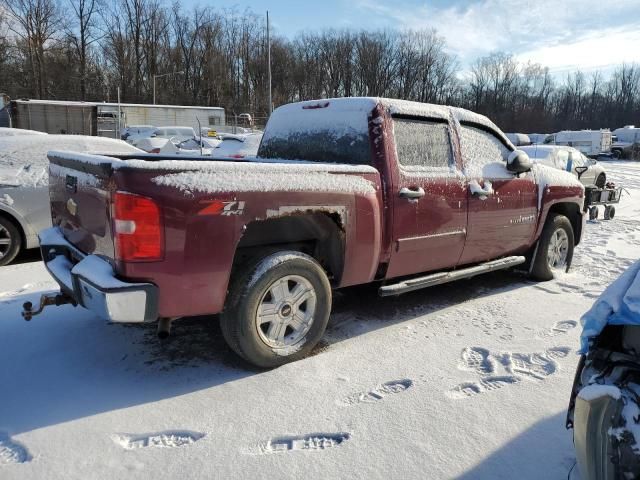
column 342, row 192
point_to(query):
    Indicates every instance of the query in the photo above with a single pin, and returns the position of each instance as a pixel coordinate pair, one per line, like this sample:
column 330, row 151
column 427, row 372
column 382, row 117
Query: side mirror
column 519, row 162
column 580, row 171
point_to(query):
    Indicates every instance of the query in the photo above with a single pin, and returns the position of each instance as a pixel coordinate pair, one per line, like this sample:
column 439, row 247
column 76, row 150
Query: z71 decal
column 217, row 207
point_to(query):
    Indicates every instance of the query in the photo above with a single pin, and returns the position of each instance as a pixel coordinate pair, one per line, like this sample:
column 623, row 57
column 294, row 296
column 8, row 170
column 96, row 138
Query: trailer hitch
column 46, row 300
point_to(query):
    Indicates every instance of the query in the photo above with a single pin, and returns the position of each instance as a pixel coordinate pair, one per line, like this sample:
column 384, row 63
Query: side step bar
column 446, row 277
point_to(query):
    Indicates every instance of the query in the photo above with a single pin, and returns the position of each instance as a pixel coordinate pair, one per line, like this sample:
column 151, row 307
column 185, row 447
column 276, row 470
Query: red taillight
column 137, row 228
column 154, row 150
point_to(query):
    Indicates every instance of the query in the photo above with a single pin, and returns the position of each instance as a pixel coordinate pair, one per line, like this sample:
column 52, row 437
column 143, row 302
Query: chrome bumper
column 91, row 282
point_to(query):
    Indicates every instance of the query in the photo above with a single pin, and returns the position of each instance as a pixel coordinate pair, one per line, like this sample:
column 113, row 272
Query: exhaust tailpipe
column 164, row 328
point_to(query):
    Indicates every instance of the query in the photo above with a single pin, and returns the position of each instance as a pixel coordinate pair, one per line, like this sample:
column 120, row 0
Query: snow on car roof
column 14, row 132
column 23, row 158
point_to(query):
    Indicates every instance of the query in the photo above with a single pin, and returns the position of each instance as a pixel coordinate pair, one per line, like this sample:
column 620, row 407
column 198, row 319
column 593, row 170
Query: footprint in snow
column 559, row 328
column 477, row 359
column 308, row 442
column 378, row 393
column 515, row 366
column 168, row 439
column 470, row 389
column 11, row 451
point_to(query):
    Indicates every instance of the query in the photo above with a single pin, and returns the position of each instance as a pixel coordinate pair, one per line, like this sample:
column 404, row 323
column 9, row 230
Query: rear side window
column 422, row 143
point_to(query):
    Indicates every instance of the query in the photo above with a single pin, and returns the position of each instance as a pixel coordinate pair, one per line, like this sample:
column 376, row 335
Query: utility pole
column 269, row 64
column 162, row 75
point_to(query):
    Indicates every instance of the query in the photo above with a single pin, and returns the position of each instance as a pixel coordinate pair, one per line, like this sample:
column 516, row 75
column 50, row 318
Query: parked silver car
column 24, row 191
column 569, row 159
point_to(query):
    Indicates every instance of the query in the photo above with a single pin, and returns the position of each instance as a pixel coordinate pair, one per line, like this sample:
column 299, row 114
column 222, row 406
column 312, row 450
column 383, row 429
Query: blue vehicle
column 604, row 410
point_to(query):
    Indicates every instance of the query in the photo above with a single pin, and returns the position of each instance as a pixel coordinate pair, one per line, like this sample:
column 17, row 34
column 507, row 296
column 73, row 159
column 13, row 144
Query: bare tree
column 35, row 23
column 81, row 33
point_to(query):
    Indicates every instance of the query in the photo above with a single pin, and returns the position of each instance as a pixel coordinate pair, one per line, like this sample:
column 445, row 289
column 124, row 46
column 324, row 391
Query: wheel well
column 320, row 235
column 16, row 223
column 572, row 212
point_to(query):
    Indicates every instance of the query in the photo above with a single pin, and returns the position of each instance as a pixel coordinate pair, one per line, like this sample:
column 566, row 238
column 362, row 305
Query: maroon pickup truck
column 342, row 192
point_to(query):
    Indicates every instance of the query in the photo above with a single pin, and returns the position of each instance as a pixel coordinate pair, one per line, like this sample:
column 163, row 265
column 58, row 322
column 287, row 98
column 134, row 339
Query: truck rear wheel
column 555, row 248
column 10, row 241
column 278, row 309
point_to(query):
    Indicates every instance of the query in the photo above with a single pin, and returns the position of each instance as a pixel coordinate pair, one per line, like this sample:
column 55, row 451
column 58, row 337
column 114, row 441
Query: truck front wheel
column 278, row 308
column 555, row 248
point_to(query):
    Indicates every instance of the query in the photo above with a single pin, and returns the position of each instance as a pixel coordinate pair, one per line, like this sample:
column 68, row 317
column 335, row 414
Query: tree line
column 90, row 49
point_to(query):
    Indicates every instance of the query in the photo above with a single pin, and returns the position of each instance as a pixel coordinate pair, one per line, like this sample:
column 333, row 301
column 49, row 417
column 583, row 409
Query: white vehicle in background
column 14, row 132
column 176, row 134
column 144, row 132
column 518, row 139
column 151, row 144
column 238, row 146
column 590, row 142
column 625, row 139
column 537, row 138
column 132, row 132
column 24, row 184
column 569, row 159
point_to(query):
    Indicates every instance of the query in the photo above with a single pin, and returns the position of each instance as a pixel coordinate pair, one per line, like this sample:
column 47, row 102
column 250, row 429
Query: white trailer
column 156, row 115
column 626, row 142
column 590, row 142
column 105, row 119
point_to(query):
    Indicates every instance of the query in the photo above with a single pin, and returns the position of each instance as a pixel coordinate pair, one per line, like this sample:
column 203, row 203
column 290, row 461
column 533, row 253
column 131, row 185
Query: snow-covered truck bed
column 343, row 192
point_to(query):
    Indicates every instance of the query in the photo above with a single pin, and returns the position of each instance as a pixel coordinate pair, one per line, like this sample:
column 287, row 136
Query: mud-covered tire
column 10, row 241
column 596, row 419
column 601, row 181
column 556, row 226
column 254, row 287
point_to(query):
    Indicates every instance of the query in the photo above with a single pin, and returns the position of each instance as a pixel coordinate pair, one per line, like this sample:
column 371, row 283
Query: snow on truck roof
column 394, row 106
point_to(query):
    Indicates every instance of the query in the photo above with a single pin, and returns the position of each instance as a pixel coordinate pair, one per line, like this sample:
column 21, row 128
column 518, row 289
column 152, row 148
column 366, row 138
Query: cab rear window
column 325, row 134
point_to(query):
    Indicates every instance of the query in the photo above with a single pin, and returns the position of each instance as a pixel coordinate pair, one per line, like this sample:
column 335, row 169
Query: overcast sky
column 561, row 34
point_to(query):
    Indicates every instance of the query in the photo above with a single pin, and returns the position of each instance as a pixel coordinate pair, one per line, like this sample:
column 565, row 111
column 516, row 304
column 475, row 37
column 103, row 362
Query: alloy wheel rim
column 5, row 241
column 286, row 311
column 558, row 249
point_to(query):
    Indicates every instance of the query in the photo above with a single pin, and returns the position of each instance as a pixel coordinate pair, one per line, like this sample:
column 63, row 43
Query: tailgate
column 79, row 193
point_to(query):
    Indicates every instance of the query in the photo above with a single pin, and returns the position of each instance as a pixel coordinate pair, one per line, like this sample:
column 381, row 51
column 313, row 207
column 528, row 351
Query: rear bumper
column 91, row 282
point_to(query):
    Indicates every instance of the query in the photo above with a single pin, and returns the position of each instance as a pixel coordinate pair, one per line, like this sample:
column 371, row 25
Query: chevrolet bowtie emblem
column 72, row 207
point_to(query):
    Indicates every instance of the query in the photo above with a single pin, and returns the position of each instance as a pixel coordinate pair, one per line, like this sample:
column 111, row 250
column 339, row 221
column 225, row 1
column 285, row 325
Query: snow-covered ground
column 468, row 380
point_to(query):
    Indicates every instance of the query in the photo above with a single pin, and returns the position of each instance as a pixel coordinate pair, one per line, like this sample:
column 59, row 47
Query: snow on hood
column 619, row 304
column 552, row 177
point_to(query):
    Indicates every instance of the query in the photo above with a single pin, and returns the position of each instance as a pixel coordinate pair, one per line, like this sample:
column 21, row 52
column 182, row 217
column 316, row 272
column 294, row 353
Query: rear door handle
column 412, row 192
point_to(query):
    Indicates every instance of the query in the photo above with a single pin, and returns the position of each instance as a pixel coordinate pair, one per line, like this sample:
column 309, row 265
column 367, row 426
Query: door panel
column 502, row 222
column 429, row 230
